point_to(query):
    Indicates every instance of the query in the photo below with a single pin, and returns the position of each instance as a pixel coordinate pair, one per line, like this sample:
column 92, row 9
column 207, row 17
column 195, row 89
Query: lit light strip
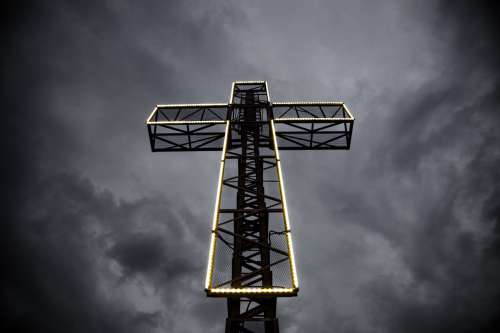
column 181, row 122
column 215, row 221
column 268, row 93
column 275, row 142
column 292, row 103
column 248, row 82
column 151, row 115
column 173, row 106
column 231, row 96
column 293, row 270
column 224, row 147
column 253, row 290
column 215, row 218
column 283, row 196
column 348, row 111
column 208, row 277
column 312, row 119
column 293, row 267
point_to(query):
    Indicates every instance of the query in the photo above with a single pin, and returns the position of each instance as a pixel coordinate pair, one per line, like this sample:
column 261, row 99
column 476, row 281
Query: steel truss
column 251, row 259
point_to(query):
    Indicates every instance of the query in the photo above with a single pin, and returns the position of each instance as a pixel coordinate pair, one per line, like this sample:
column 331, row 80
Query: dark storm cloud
column 446, row 134
column 425, row 194
column 400, row 234
column 51, row 261
column 57, row 254
column 145, row 253
column 75, row 257
column 139, row 253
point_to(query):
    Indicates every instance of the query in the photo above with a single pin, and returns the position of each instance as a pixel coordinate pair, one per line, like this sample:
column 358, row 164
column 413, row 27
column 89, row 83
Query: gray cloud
column 400, row 234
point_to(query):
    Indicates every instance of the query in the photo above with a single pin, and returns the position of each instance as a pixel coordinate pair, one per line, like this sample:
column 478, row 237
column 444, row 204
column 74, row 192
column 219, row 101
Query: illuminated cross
column 251, row 259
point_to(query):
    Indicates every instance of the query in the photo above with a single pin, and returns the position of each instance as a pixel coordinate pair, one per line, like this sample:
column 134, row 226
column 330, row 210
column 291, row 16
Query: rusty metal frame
column 249, row 129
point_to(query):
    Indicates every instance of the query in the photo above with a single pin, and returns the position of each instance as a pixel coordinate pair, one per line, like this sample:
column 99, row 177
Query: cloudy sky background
column 399, row 234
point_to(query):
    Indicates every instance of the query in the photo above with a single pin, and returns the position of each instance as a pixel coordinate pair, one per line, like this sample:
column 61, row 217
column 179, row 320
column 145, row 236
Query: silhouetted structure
column 251, row 260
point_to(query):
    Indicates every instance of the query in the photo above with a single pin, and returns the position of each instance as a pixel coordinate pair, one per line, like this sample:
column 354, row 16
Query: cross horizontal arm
column 313, row 125
column 187, row 127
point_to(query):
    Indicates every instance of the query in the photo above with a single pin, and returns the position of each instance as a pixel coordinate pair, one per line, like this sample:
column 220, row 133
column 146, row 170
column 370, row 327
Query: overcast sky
column 399, row 234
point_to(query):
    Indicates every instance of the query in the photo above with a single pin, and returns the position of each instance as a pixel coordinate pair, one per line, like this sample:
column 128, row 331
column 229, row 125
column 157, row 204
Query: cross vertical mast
column 251, row 255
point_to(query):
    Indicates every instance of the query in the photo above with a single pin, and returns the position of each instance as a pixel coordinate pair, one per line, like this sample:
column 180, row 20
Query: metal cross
column 251, row 259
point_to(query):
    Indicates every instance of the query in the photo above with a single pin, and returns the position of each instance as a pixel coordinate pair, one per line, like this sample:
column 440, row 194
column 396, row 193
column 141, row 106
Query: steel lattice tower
column 251, row 260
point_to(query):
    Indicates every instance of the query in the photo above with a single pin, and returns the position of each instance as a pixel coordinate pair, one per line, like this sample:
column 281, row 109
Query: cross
column 250, row 259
